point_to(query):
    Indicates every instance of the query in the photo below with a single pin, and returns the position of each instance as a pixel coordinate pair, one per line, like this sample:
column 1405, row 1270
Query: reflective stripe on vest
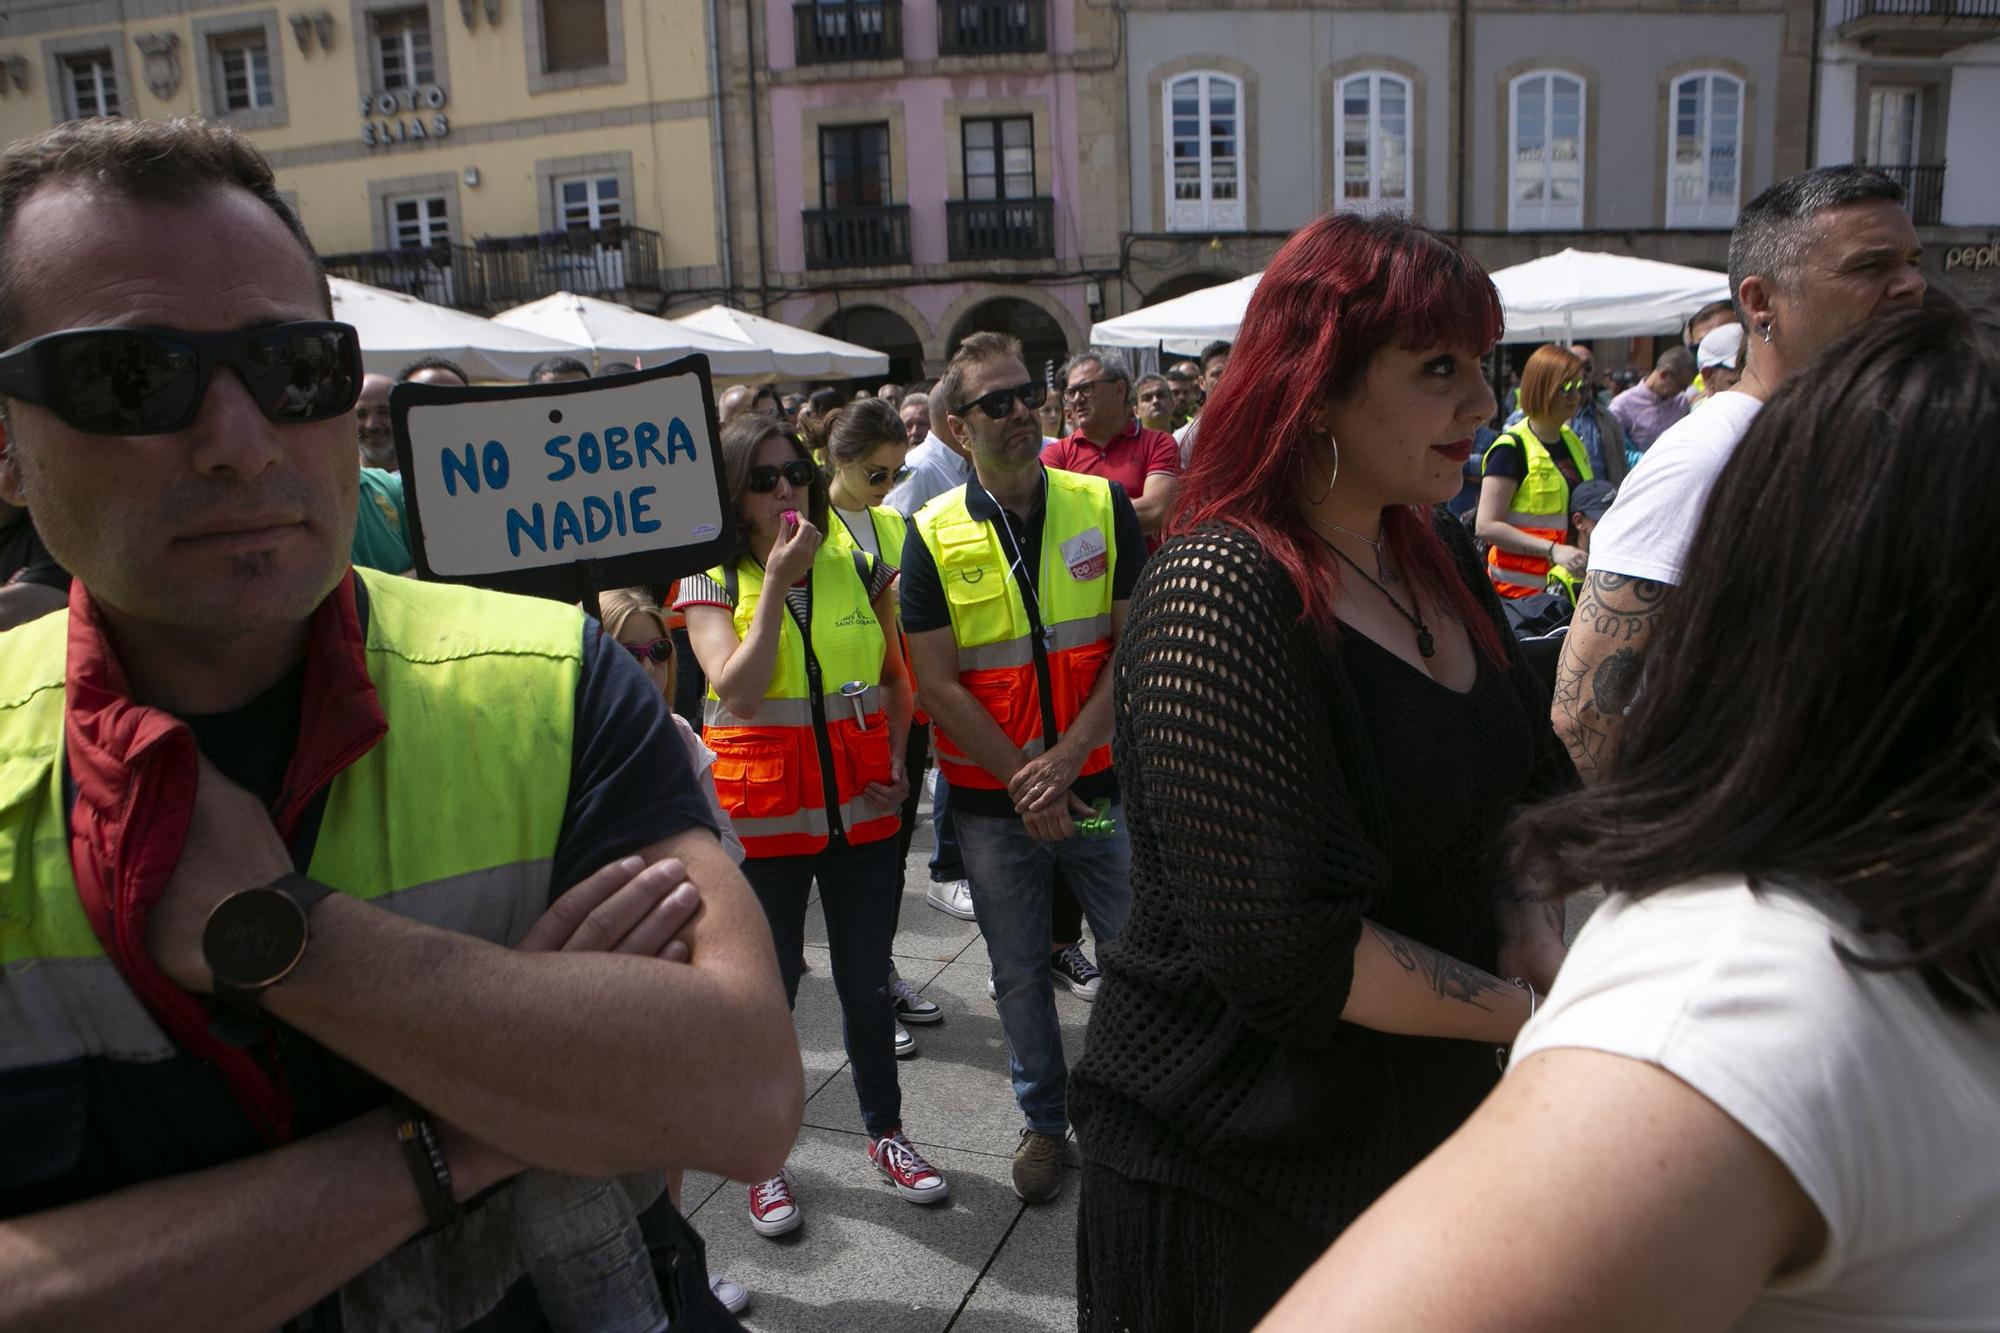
column 1540, row 508
column 767, row 766
column 474, row 685
column 989, row 616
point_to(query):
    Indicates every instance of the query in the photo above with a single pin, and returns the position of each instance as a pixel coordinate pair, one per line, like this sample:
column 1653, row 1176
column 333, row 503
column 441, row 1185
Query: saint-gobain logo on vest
column 1087, row 555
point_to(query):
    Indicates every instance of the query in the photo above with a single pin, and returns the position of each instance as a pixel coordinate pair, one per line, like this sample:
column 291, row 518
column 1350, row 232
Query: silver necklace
column 1382, row 571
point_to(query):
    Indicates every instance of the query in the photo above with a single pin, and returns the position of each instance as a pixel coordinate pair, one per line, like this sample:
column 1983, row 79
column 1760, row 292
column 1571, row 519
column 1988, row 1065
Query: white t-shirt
column 1883, row 1106
column 862, row 528
column 1649, row 527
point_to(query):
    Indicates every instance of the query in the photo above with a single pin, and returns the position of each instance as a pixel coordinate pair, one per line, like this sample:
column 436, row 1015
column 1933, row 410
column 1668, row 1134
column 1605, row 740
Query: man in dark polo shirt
column 1109, row 442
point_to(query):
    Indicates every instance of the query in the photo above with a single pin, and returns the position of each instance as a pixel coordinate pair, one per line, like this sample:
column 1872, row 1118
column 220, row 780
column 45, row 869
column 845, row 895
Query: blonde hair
column 616, row 609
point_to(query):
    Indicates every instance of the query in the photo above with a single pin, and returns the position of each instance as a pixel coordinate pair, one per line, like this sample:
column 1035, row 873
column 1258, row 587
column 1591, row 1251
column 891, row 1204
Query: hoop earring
column 1331, row 478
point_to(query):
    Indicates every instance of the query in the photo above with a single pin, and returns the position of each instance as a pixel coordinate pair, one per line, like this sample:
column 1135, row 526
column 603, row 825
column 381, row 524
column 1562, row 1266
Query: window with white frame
column 1705, row 161
column 1203, row 113
column 1895, row 126
column 91, row 87
column 1545, row 163
column 417, row 222
column 242, row 72
column 403, row 58
column 1374, row 136
column 588, row 202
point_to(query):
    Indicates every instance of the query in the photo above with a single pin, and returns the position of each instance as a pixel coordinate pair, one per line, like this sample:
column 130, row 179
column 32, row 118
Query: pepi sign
column 560, row 490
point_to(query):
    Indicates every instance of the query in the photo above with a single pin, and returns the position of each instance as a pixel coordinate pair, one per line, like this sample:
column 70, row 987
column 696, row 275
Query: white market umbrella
column 1185, row 324
column 799, row 354
column 614, row 332
column 397, row 329
column 1581, row 294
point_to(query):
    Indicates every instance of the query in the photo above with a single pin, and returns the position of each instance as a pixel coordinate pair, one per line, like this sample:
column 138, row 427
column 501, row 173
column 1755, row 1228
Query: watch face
column 254, row 938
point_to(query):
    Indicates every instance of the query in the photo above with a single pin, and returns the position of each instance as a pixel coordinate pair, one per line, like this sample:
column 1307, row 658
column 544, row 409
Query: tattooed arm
column 1603, row 657
column 1412, row 990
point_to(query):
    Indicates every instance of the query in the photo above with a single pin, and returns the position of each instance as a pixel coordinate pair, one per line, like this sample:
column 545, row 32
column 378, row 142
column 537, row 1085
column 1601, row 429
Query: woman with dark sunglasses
column 1529, row 474
column 866, row 445
column 808, row 713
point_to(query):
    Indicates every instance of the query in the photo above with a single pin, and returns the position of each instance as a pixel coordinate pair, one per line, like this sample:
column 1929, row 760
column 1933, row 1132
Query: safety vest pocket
column 756, row 777
column 863, row 756
column 1073, row 674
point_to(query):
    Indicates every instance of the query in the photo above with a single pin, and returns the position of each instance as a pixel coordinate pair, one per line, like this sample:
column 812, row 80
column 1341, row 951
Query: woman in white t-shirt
column 1765, row 1091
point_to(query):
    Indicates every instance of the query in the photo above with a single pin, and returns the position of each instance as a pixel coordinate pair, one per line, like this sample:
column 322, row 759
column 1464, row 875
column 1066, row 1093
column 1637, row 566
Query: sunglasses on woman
column 879, row 475
column 657, row 652
column 120, row 381
column 999, row 404
column 799, row 472
column 1572, row 386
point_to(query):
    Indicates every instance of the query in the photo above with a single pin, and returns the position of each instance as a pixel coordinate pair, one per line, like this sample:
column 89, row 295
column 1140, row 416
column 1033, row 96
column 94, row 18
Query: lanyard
column 1017, row 570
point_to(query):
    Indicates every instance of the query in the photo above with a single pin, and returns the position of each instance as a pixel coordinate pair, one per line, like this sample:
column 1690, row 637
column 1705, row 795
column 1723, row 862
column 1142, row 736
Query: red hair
column 1343, row 288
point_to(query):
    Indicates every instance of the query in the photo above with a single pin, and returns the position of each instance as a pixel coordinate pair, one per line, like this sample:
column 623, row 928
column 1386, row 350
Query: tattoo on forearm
column 1448, row 978
column 1594, row 686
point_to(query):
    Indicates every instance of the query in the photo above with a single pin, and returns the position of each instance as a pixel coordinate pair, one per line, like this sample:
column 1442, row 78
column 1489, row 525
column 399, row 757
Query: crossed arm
column 1603, row 659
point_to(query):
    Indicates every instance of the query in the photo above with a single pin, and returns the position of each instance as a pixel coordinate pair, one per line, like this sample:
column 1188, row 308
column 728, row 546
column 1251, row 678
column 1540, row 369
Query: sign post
column 562, row 490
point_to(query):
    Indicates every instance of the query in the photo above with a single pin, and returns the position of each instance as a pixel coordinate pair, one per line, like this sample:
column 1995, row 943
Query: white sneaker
column 732, row 1295
column 906, row 1045
column 953, row 897
column 910, row 1006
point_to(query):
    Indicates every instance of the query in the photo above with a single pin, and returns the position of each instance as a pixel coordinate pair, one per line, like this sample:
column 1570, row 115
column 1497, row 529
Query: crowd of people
column 1311, row 675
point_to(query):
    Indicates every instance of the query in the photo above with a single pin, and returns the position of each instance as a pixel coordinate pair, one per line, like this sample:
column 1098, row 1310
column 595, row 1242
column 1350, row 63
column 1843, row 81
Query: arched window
column 1373, row 130
column 1203, row 113
column 1705, row 159
column 1545, row 163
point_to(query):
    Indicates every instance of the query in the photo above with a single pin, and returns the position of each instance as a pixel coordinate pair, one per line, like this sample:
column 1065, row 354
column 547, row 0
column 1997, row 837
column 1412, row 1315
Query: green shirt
column 381, row 524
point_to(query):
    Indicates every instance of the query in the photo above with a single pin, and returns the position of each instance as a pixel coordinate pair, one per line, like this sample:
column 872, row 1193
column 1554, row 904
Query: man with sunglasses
column 1013, row 594
column 285, row 1000
column 1109, row 442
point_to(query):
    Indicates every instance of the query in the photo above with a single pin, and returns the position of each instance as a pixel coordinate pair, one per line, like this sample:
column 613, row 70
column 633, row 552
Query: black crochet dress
column 1279, row 787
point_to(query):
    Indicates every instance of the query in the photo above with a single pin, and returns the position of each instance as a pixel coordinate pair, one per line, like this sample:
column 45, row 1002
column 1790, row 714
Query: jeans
column 1012, row 887
column 858, row 889
column 946, row 863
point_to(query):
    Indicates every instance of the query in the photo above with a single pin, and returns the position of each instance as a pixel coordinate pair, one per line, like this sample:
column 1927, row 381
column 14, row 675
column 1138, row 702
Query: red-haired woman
column 1529, row 473
column 1322, row 730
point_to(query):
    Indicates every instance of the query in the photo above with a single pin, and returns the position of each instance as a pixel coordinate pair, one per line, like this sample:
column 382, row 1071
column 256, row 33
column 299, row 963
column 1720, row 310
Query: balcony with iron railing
column 1923, row 190
column 992, row 27
column 495, row 272
column 995, row 229
column 1918, row 27
column 857, row 237
column 836, row 32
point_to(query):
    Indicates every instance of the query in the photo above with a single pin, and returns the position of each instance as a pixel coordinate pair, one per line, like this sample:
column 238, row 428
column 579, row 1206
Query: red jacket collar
column 134, row 771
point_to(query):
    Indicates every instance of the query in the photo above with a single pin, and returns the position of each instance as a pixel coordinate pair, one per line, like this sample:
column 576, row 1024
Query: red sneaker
column 914, row 1178
column 773, row 1210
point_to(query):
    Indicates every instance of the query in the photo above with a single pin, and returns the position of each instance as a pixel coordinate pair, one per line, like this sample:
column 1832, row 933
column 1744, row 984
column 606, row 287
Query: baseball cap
column 1720, row 346
column 1592, row 498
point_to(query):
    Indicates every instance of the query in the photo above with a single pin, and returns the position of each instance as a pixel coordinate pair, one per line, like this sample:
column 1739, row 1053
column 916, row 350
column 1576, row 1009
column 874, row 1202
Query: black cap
column 1592, row 498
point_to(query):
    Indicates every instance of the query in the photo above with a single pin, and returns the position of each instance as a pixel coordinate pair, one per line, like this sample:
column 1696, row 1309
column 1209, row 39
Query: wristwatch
column 253, row 940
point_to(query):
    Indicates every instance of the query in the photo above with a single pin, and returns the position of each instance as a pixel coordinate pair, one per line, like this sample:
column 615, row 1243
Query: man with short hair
column 1812, row 257
column 1602, row 437
column 558, row 370
column 1649, row 407
column 381, row 518
column 1156, row 402
column 433, row 370
column 892, row 393
column 735, row 402
column 373, row 423
column 1214, row 360
column 1109, row 443
column 1186, row 394
column 916, row 415
column 1018, row 687
column 285, row 1002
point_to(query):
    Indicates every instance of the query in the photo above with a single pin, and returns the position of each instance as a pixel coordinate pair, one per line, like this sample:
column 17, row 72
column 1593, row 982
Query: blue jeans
column 858, row 891
column 946, row 863
column 1013, row 884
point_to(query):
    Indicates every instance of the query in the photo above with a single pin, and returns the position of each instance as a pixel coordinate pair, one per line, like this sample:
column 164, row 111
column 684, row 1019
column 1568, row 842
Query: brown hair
column 976, row 350
column 1543, row 377
column 861, row 429
column 741, row 439
column 149, row 161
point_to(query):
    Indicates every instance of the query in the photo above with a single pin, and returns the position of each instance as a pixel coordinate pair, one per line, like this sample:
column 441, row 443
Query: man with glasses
column 1110, row 443
column 285, row 997
column 1013, row 595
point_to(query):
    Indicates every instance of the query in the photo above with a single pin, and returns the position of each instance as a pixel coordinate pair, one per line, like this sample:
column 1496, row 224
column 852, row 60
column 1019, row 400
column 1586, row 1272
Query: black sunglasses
column 120, row 381
column 658, row 651
column 877, row 475
column 999, row 404
column 764, row 479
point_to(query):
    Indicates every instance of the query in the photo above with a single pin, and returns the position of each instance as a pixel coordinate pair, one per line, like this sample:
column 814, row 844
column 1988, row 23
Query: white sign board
column 563, row 489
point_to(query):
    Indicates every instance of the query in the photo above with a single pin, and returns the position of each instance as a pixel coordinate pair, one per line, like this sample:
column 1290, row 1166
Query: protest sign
column 559, row 490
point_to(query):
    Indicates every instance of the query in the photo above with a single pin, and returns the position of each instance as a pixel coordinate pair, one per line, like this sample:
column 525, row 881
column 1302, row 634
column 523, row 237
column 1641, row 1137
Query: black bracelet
column 424, row 1155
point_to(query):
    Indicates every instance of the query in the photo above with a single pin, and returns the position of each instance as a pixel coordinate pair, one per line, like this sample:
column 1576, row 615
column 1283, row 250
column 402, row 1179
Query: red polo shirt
column 1128, row 458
